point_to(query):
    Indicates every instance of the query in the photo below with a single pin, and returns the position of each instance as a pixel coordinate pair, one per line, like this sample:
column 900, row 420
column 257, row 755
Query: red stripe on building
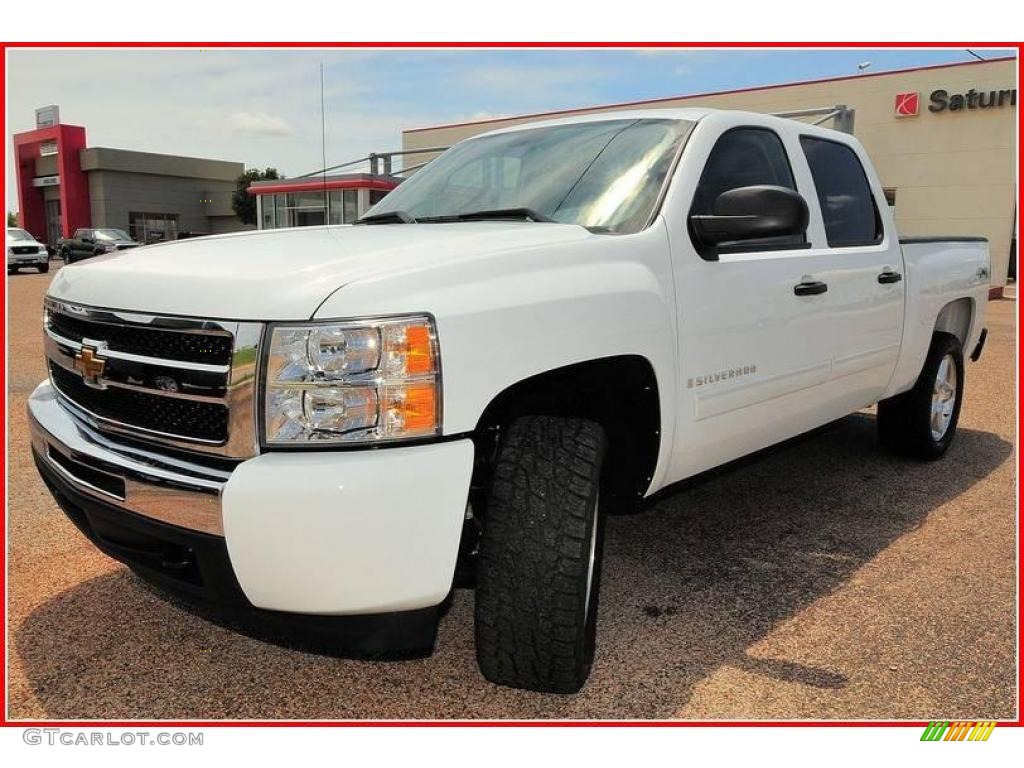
column 313, row 186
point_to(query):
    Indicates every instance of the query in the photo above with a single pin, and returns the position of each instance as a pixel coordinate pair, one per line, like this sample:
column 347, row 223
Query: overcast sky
column 262, row 108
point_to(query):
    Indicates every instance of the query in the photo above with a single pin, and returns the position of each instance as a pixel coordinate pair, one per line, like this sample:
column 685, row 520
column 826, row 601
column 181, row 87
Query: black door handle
column 810, row 288
column 889, row 277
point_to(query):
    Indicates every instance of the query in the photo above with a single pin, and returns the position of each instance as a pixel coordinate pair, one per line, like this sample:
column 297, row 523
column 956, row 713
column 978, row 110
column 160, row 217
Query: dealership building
column 311, row 201
column 63, row 184
column 942, row 138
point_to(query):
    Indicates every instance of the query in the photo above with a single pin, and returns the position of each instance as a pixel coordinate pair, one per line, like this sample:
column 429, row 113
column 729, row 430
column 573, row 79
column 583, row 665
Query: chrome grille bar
column 112, row 354
column 177, row 389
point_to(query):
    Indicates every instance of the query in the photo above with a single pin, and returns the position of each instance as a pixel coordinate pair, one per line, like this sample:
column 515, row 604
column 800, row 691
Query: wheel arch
column 619, row 392
column 956, row 318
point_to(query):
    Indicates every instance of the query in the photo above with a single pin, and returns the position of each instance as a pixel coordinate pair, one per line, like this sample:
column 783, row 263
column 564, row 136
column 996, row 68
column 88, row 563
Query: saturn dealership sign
column 941, row 100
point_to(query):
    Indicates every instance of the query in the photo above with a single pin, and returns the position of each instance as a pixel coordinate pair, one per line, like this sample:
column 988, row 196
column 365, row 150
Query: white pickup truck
column 323, row 426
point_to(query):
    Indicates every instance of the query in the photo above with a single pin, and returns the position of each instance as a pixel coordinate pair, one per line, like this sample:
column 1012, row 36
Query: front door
column 757, row 324
column 53, row 228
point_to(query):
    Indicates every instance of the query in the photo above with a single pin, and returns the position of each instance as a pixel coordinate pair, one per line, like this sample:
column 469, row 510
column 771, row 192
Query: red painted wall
column 74, row 185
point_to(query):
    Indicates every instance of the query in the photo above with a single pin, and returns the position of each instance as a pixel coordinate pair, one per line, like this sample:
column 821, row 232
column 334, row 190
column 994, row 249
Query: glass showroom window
column 268, row 212
column 344, row 206
column 301, row 209
column 351, row 201
column 153, row 227
column 280, row 217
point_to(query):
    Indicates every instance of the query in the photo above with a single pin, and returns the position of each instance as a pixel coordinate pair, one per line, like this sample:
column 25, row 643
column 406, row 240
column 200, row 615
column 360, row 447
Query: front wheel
column 922, row 422
column 540, row 556
column 44, row 268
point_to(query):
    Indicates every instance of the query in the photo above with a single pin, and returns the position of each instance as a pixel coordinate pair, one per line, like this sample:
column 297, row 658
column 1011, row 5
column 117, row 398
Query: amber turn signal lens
column 411, row 409
column 419, row 352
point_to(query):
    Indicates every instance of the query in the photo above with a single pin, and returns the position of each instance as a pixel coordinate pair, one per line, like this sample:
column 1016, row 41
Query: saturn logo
column 907, row 104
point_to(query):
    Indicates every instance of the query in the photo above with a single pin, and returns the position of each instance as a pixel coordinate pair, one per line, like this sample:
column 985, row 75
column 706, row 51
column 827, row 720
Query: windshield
column 111, row 234
column 18, row 234
column 604, row 175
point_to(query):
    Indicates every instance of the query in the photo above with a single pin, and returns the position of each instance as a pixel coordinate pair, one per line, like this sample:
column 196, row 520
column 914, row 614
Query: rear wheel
column 540, row 556
column 922, row 422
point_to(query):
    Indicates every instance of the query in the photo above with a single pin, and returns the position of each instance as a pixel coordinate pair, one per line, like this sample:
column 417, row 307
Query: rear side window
column 847, row 205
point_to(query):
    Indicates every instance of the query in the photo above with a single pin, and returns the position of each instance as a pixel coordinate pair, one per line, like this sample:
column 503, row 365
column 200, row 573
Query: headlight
column 42, row 249
column 352, row 382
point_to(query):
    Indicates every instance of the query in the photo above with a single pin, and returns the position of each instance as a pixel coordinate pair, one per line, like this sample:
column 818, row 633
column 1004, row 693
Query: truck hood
column 286, row 274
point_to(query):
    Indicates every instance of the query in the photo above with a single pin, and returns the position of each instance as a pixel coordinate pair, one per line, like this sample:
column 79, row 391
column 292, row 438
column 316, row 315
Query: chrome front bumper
column 153, row 485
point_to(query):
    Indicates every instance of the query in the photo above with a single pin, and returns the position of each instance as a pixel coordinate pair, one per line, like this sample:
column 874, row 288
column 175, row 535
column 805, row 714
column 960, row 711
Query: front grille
column 190, row 347
column 151, row 412
column 25, row 250
column 184, row 383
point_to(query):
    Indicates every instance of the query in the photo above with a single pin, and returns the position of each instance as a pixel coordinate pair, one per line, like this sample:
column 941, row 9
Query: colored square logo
column 907, row 104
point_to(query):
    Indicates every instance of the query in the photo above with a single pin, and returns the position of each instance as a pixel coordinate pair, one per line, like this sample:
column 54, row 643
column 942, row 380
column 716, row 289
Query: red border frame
column 4, row 722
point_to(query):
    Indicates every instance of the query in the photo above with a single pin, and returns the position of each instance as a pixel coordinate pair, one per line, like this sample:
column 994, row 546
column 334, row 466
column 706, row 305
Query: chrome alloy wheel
column 943, row 397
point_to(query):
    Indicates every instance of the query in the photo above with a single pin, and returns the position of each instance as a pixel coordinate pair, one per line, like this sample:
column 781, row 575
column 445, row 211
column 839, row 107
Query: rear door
column 869, row 281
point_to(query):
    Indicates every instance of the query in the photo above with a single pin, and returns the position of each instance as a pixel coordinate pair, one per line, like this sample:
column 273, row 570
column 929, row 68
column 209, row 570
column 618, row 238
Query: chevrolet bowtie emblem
column 90, row 365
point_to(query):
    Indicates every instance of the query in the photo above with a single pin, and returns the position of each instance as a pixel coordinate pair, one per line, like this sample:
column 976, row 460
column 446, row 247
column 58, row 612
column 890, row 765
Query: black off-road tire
column 540, row 556
column 904, row 421
column 44, row 268
column 66, row 255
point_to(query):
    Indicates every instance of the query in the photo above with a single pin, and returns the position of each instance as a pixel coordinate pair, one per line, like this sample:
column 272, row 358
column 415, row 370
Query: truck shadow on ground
column 688, row 586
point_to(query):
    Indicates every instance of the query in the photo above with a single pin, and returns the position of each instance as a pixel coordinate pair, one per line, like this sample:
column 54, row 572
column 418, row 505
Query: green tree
column 12, row 219
column 242, row 202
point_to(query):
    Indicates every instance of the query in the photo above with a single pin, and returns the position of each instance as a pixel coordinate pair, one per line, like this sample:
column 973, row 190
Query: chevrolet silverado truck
column 546, row 324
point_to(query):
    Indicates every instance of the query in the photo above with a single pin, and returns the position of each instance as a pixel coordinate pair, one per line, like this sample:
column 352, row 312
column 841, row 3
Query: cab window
column 745, row 157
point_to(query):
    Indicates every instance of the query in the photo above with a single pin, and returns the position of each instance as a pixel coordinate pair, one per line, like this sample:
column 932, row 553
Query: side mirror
column 751, row 213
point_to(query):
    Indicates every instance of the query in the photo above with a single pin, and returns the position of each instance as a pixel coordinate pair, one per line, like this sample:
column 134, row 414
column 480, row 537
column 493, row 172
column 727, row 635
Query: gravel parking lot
column 824, row 579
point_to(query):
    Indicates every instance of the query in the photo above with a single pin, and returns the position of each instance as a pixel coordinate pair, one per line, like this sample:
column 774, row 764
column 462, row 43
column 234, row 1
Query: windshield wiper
column 388, row 217
column 525, row 214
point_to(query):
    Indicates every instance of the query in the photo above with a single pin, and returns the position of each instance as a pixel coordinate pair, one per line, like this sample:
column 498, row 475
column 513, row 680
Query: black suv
column 93, row 242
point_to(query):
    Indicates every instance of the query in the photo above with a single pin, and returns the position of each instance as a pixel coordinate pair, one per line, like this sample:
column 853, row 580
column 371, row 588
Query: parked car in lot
column 23, row 250
column 546, row 324
column 90, row 242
